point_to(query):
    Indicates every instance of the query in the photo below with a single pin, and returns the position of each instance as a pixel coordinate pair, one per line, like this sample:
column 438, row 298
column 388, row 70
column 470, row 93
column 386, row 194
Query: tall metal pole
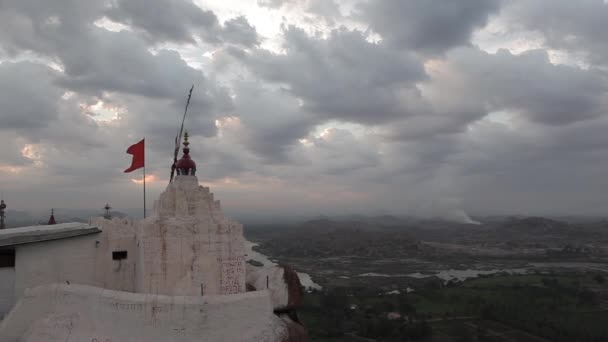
column 178, row 137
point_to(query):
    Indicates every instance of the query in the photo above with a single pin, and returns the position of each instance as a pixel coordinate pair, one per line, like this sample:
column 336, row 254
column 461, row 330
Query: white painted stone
column 183, row 279
column 84, row 259
column 7, row 290
column 279, row 292
column 60, row 312
column 188, row 247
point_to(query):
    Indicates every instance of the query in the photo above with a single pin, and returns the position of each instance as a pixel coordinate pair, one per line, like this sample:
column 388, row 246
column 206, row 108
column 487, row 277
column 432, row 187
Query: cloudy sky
column 310, row 106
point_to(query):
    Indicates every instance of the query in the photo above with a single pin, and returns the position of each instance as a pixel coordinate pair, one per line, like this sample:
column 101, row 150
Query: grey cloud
column 119, row 61
column 271, row 3
column 529, row 83
column 420, row 137
column 524, row 166
column 28, row 99
column 97, row 62
column 428, row 26
column 45, row 27
column 181, row 21
column 575, row 26
column 341, row 77
column 324, row 7
column 33, row 107
column 164, row 20
column 272, row 120
column 339, row 152
column 93, row 58
column 471, row 84
column 239, row 31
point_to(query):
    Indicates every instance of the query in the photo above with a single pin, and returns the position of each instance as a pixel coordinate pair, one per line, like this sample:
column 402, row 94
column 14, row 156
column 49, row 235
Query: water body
column 578, row 265
column 305, row 278
column 447, row 275
column 462, row 275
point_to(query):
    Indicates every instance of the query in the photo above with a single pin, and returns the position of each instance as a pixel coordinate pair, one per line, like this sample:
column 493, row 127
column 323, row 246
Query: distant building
column 107, row 213
column 52, row 218
column 178, row 275
column 2, row 214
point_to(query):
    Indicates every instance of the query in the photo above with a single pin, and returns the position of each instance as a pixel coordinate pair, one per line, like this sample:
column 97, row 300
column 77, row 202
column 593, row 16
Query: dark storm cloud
column 180, row 21
column 272, row 120
column 97, row 65
column 342, row 77
column 120, row 61
column 164, row 20
column 109, row 65
column 93, row 58
column 44, row 27
column 52, row 27
column 428, row 26
column 28, row 98
column 570, row 25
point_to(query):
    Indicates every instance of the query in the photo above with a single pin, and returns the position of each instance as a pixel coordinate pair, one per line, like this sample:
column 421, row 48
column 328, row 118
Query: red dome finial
column 186, row 166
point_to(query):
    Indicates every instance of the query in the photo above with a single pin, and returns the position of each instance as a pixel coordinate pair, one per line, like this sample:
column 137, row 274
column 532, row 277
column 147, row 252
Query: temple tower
column 187, row 247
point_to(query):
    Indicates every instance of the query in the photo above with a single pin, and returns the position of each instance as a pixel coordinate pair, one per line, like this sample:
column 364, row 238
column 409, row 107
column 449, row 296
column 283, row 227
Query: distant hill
column 325, row 237
column 535, row 224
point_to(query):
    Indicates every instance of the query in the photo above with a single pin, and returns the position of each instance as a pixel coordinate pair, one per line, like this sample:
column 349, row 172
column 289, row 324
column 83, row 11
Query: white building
column 178, row 275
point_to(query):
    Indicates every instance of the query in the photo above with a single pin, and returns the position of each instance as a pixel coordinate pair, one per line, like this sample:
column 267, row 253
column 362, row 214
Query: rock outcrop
column 286, row 295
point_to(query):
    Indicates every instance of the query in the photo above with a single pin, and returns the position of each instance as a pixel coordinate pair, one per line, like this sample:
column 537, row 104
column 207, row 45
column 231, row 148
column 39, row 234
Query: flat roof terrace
column 33, row 234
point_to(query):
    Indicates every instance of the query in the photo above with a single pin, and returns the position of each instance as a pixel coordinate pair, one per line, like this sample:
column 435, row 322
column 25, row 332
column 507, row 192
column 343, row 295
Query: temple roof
column 23, row 235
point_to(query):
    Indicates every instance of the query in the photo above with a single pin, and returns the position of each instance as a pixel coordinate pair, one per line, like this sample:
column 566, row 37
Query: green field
column 538, row 307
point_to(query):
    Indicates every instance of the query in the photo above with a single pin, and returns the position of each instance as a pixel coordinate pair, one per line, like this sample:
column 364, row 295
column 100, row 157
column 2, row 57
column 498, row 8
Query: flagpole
column 144, row 178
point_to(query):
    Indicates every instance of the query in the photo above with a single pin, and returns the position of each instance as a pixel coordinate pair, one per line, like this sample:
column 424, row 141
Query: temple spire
column 186, row 166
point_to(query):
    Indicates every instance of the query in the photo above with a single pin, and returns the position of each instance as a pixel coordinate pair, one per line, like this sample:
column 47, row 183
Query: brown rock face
column 294, row 287
column 295, row 331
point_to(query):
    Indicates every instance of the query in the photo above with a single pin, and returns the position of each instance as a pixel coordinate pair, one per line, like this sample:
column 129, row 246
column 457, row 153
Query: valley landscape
column 403, row 279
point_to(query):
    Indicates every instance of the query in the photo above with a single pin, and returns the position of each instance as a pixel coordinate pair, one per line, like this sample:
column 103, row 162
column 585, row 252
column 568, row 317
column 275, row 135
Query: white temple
column 178, row 275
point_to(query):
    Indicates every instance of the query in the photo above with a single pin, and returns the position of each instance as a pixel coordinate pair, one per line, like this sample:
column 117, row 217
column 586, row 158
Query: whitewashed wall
column 58, row 261
column 7, row 290
column 187, row 247
column 117, row 235
column 82, row 313
column 80, row 260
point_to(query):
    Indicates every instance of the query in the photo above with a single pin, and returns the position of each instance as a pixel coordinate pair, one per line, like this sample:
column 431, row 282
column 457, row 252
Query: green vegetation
column 539, row 307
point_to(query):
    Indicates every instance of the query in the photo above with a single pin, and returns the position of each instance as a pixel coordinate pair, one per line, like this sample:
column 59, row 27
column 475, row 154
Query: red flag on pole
column 138, row 153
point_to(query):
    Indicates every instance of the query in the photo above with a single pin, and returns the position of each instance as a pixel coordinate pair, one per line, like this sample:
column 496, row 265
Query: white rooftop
column 23, row 235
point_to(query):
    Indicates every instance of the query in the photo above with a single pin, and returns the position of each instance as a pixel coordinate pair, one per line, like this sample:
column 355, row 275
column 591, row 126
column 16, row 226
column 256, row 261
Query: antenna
column 178, row 137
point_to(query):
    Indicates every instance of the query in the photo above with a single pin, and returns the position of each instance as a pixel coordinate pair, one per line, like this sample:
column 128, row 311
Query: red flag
column 138, row 153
